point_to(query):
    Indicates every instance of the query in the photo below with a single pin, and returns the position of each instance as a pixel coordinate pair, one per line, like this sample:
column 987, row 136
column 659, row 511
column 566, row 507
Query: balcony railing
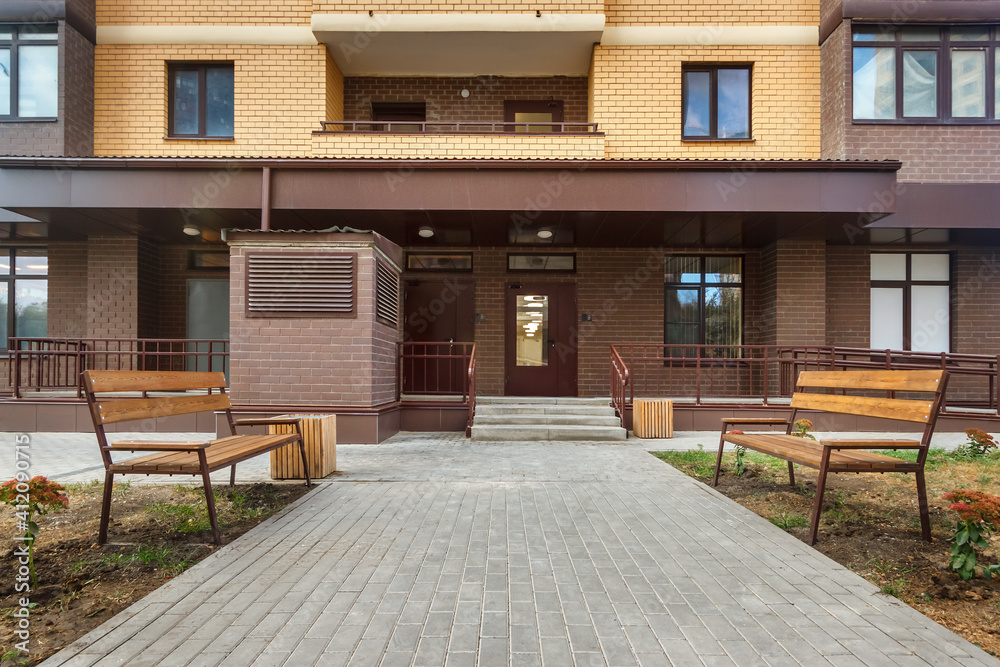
column 448, row 127
column 439, row 370
column 54, row 364
column 765, row 375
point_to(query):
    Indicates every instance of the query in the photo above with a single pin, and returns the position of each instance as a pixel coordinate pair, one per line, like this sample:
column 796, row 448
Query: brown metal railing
column 741, row 374
column 435, row 369
column 446, row 127
column 39, row 364
column 472, row 392
column 619, row 385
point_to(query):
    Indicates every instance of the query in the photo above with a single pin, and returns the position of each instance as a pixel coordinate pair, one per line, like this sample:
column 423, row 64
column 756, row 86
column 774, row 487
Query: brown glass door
column 437, row 312
column 540, row 340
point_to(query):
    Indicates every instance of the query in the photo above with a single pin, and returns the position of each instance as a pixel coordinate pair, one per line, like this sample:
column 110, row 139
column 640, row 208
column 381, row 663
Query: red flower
column 734, row 432
column 975, row 506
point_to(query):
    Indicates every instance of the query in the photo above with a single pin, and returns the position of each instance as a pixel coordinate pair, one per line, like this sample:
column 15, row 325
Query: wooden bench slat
column 105, row 381
column 129, row 409
column 920, row 381
column 886, row 408
column 809, row 453
column 220, row 453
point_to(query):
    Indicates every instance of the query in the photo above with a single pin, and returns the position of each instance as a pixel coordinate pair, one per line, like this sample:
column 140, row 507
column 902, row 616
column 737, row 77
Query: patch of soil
column 871, row 525
column 156, row 533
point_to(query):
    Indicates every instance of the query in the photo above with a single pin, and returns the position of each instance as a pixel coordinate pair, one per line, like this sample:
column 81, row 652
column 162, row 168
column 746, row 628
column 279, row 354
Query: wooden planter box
column 653, row 418
column 319, row 432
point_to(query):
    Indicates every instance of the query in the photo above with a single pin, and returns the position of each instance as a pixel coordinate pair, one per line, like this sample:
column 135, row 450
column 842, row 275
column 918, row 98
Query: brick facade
column 637, row 102
column 68, row 285
column 713, row 12
column 311, row 361
column 194, row 12
column 275, row 112
column 930, row 153
column 444, row 101
column 521, row 7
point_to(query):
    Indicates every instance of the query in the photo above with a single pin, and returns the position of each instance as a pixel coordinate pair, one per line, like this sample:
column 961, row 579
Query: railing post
column 697, row 376
column 767, row 373
column 16, row 361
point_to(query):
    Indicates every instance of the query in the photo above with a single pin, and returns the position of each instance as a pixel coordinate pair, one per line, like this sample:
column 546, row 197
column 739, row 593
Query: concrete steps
column 509, row 418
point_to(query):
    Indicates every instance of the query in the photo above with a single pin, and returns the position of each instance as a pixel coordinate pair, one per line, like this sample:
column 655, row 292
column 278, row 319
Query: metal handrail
column 432, row 362
column 738, row 373
column 37, row 364
column 619, row 382
column 472, row 391
column 449, row 127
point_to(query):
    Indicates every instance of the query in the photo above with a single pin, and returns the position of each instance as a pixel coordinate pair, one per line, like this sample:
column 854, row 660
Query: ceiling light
column 544, row 233
column 425, row 232
column 192, row 230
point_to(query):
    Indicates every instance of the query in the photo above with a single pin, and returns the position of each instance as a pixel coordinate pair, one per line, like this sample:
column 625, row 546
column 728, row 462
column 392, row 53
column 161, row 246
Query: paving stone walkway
column 431, row 550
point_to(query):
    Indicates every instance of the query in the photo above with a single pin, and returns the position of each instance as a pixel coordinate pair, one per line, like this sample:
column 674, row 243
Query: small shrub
column 31, row 499
column 980, row 444
column 803, row 428
column 979, row 515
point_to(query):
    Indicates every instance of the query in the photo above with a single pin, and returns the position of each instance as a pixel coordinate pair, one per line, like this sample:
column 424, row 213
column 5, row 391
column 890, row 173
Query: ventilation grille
column 386, row 294
column 318, row 284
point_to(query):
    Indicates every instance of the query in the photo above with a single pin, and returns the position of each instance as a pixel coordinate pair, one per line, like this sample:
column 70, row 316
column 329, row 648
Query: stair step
column 544, row 409
column 564, row 433
column 541, row 419
column 542, row 400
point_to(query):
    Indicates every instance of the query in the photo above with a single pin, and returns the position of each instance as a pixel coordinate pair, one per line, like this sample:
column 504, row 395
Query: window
column 416, row 112
column 24, row 290
column 910, row 305
column 565, row 263
column 29, row 72
column 703, row 304
column 533, row 116
column 926, row 74
column 201, row 100
column 716, row 101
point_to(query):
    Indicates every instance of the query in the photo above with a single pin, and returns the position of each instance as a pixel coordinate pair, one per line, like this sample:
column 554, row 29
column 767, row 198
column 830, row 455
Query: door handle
column 552, row 342
column 451, row 340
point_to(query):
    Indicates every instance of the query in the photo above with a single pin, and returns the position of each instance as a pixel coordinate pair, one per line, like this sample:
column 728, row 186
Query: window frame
column 713, row 70
column 14, row 44
column 10, row 280
column 202, row 69
column 943, row 94
column 701, row 286
column 907, row 284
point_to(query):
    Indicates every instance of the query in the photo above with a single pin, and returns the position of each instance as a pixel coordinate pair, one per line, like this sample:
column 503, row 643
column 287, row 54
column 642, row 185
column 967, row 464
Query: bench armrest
column 871, row 444
column 265, row 421
column 156, row 446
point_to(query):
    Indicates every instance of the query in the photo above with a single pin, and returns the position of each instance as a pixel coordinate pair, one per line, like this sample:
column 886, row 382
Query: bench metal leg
column 791, row 474
column 305, row 463
column 109, row 481
column 232, row 479
column 718, row 459
column 209, row 498
column 820, row 488
column 925, row 515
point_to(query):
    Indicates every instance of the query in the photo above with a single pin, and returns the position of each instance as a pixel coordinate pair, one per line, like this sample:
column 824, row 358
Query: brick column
column 113, row 288
column 794, row 285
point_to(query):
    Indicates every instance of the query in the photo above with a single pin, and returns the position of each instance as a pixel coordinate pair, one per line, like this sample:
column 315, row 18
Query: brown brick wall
column 621, row 288
column 801, row 293
column 310, row 361
column 113, row 288
column 444, row 102
column 834, row 53
column 77, row 82
column 68, row 280
column 975, row 300
column 148, row 289
column 930, row 153
column 847, row 296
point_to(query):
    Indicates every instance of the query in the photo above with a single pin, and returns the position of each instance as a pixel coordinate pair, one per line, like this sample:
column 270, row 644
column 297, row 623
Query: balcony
column 409, row 140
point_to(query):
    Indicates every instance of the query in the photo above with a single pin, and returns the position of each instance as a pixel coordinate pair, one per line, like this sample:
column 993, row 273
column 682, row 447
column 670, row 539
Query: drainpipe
column 265, row 200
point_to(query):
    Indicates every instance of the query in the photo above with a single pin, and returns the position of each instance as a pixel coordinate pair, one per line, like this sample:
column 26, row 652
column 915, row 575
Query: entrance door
column 207, row 318
column 540, row 347
column 437, row 311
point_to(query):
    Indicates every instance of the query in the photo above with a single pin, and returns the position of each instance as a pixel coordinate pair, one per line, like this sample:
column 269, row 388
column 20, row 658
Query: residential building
column 720, row 190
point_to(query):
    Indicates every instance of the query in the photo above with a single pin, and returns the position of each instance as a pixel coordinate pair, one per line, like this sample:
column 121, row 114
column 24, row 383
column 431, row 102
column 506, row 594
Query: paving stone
column 431, row 550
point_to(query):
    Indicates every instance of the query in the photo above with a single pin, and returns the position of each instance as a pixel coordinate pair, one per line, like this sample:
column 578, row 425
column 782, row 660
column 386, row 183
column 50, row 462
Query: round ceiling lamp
column 544, row 233
column 425, row 232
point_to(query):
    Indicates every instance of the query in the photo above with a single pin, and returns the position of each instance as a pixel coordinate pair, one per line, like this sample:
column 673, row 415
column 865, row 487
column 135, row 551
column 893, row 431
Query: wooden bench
column 174, row 458
column 849, row 455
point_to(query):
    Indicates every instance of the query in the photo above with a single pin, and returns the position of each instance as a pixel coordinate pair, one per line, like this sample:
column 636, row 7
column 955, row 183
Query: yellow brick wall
column 552, row 6
column 334, row 90
column 199, row 12
column 483, row 146
column 280, row 98
column 637, row 102
column 712, row 12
